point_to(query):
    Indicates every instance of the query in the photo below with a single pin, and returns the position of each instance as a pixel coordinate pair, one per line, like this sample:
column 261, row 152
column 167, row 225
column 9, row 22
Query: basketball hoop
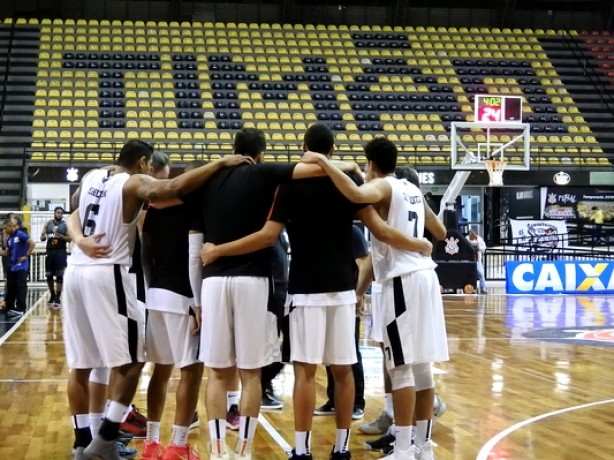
column 495, row 170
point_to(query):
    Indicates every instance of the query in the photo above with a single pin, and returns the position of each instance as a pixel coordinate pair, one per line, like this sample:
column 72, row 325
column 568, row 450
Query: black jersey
column 319, row 223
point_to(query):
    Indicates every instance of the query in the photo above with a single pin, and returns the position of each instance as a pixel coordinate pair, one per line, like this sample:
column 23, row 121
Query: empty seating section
column 189, row 86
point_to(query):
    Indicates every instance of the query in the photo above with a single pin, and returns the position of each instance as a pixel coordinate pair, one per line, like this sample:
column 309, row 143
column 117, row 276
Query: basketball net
column 495, row 170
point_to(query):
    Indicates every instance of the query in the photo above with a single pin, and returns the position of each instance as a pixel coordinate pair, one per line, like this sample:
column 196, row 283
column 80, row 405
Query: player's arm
column 371, row 192
column 90, row 245
column 44, row 232
column 433, row 224
column 195, row 269
column 147, row 258
column 304, row 170
column 149, row 189
column 365, row 275
column 263, row 238
column 390, row 235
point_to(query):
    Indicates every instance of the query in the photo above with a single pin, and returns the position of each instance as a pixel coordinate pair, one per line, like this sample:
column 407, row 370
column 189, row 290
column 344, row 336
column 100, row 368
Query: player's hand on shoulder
column 312, row 157
column 208, row 253
column 230, row 161
column 92, row 246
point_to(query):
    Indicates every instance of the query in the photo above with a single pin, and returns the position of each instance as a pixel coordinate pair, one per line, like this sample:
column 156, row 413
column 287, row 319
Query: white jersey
column 101, row 211
column 407, row 215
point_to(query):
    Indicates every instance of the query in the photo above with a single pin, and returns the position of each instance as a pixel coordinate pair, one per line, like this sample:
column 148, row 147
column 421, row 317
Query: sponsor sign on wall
column 571, row 203
column 542, row 277
column 545, row 234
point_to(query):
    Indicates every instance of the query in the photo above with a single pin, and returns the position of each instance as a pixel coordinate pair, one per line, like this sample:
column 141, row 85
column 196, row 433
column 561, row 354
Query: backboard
column 474, row 143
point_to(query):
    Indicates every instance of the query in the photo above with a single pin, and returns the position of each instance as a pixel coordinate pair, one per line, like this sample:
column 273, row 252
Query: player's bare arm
column 389, row 235
column 374, row 191
column 263, row 238
column 433, row 224
column 91, row 245
column 305, row 170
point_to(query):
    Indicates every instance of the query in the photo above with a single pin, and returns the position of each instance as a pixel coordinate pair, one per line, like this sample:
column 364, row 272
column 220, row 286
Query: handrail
column 7, row 67
column 590, row 72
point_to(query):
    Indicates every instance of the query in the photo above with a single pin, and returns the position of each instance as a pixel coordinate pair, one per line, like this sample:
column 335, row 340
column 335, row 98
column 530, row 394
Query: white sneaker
column 426, row 452
column 223, row 453
column 439, row 407
column 411, row 454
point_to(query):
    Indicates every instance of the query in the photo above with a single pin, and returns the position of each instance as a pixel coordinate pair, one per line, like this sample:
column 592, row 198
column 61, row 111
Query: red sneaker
column 174, row 452
column 153, row 450
column 135, row 424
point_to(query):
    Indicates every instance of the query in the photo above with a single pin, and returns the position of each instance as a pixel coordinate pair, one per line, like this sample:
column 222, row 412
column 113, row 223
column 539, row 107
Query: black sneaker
column 124, row 451
column 124, row 437
column 325, row 409
column 340, row 455
column 295, row 456
column 268, row 403
column 383, row 444
column 195, row 423
column 358, row 413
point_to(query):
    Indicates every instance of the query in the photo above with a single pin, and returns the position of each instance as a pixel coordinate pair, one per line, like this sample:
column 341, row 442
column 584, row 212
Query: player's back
column 406, row 214
column 101, row 207
column 236, row 202
column 319, row 222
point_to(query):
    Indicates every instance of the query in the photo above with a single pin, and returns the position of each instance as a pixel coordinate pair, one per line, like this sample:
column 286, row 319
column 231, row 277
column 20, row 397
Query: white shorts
column 414, row 325
column 237, row 328
column 323, row 335
column 169, row 339
column 103, row 324
column 377, row 329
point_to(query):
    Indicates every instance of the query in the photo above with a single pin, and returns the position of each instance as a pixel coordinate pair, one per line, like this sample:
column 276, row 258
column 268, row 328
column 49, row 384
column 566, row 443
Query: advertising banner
column 571, row 203
column 544, row 277
column 542, row 234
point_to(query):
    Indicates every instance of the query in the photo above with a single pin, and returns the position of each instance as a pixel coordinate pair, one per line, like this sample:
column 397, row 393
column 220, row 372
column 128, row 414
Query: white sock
column 217, row 429
column 95, row 422
column 180, row 435
column 423, row 432
column 115, row 412
column 302, row 442
column 80, row 420
column 247, row 426
column 232, row 398
column 153, row 431
column 402, row 441
column 388, row 406
column 342, row 440
column 125, row 416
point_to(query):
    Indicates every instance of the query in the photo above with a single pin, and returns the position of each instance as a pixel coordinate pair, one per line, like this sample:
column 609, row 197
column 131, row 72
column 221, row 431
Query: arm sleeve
column 195, row 266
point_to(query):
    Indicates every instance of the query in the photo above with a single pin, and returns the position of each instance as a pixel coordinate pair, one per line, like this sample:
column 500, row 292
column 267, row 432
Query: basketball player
column 237, row 327
column 103, row 326
column 321, row 288
column 173, row 325
column 55, row 232
column 411, row 296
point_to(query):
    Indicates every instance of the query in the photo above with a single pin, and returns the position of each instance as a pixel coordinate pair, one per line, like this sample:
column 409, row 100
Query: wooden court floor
column 530, row 377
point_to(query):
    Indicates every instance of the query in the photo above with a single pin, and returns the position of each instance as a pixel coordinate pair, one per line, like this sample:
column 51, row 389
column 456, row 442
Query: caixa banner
column 560, row 277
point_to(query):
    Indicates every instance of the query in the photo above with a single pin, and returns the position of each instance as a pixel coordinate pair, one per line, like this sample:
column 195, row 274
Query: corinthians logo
column 561, row 178
column 595, row 336
column 452, row 246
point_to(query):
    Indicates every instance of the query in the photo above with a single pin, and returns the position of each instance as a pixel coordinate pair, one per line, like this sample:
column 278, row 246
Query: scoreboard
column 494, row 108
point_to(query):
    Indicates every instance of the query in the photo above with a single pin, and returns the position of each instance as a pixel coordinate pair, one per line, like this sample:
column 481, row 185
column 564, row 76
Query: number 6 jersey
column 101, row 211
column 406, row 214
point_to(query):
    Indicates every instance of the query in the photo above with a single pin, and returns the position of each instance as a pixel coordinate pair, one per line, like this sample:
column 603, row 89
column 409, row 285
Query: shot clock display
column 491, row 108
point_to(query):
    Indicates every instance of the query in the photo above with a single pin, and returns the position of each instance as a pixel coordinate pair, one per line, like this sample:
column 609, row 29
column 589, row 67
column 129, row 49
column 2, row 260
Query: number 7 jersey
column 101, row 211
column 407, row 215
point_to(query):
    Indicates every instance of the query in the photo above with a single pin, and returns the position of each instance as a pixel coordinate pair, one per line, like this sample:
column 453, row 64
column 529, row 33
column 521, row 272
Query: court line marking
column 277, row 437
column 20, row 321
column 492, row 442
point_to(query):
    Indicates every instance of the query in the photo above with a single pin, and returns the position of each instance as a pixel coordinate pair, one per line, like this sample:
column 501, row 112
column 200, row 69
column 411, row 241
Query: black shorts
column 55, row 262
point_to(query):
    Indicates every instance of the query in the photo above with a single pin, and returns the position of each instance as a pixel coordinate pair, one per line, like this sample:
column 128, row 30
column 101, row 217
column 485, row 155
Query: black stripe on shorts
column 122, row 309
